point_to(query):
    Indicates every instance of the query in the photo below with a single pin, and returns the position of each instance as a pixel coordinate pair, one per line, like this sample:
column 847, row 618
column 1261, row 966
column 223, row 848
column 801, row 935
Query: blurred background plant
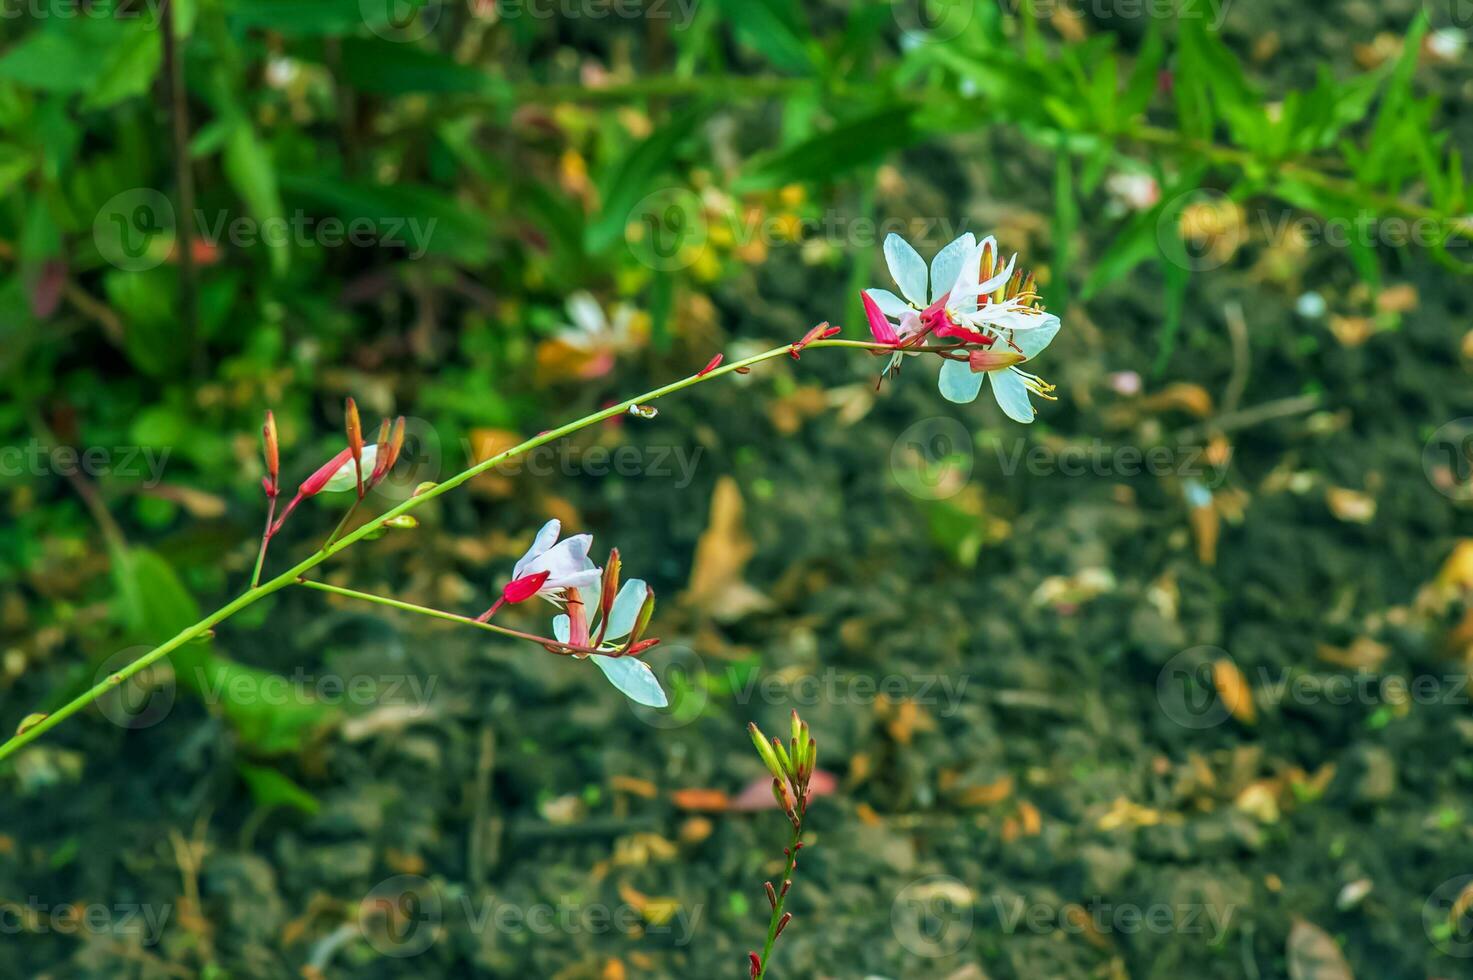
column 498, row 215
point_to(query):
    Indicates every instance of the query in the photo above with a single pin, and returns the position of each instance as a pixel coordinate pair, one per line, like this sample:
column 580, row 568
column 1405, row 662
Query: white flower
column 566, row 563
column 591, row 330
column 996, row 322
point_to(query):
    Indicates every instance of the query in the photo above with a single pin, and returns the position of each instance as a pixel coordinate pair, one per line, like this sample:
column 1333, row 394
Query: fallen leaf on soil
column 905, row 719
column 631, row 784
column 1260, row 801
column 722, row 552
column 638, row 850
column 695, row 830
column 407, row 864
column 656, row 911
column 1205, row 525
column 1233, row 688
column 196, row 503
column 987, row 795
column 1181, row 396
column 1401, row 298
column 790, row 412
column 1124, row 813
column 1351, row 506
column 700, row 799
column 1313, row 955
column 562, row 810
column 1363, row 653
column 1352, row 331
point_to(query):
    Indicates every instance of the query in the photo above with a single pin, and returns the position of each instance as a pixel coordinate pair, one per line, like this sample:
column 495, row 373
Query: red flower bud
column 524, row 588
column 313, row 485
column 756, row 967
column 711, row 365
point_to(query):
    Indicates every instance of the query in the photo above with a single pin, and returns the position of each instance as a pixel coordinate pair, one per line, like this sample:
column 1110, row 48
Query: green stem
column 782, row 895
column 291, row 575
column 265, row 542
column 448, row 617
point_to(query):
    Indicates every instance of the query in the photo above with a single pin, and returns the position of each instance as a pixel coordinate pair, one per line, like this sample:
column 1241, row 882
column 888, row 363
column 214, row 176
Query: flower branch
column 36, row 727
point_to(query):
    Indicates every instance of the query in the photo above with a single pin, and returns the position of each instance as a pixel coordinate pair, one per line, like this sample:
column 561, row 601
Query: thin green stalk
column 291, row 575
column 265, row 543
column 448, row 617
column 782, row 897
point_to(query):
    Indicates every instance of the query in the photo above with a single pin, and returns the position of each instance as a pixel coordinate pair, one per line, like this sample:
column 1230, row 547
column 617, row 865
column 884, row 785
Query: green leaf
column 848, row 146
column 392, row 68
column 250, row 171
column 774, row 27
column 272, row 788
column 630, row 179
column 307, row 18
column 425, row 219
column 128, row 67
column 1177, row 277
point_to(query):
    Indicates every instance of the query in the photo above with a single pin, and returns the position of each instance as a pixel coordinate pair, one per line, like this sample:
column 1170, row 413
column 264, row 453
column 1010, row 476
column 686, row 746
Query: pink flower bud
column 315, row 483
column 994, row 360
column 522, row 589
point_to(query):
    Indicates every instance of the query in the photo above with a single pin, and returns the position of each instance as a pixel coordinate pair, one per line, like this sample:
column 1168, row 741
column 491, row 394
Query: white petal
column 910, row 325
column 963, row 298
column 634, row 678
column 948, row 263
column 1011, row 395
column 1032, row 342
column 890, row 304
column 959, row 383
column 585, row 581
column 1007, row 316
column 626, row 609
column 587, row 315
column 906, row 268
column 565, row 558
column 562, row 628
column 541, row 543
column 346, row 478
